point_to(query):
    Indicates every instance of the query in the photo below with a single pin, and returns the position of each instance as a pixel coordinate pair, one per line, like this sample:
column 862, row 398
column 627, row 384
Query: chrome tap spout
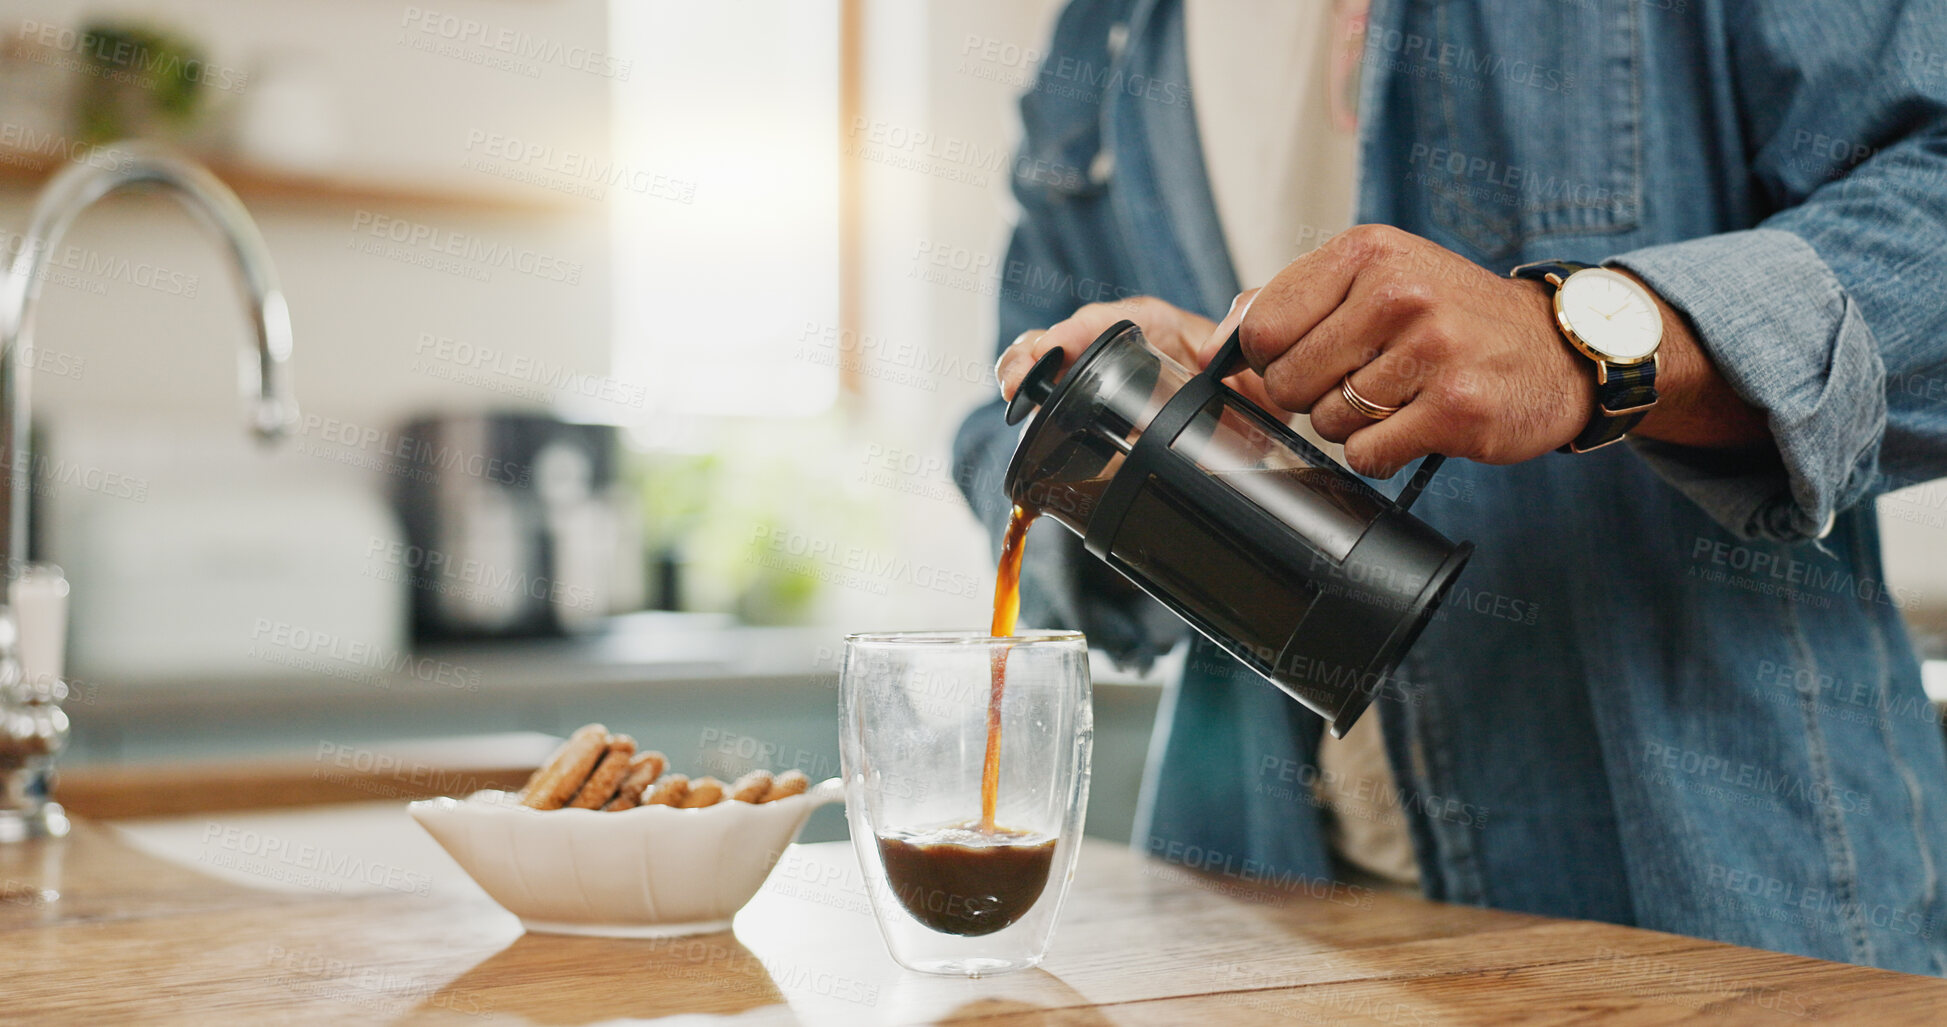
column 33, row 728
column 263, row 373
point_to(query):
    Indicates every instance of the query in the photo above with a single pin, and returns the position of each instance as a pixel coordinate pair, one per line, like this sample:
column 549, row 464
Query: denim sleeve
column 1788, row 338
column 1829, row 314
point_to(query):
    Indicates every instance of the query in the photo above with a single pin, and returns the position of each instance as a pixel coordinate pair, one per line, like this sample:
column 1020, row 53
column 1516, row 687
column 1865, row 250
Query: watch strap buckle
column 1640, row 408
column 1576, row 447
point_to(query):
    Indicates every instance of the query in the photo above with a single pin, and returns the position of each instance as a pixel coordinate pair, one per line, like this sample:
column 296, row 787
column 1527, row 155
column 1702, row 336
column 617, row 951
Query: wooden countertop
column 97, row 930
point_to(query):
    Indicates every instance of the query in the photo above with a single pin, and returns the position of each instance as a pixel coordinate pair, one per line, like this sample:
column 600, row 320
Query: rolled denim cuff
column 1782, row 331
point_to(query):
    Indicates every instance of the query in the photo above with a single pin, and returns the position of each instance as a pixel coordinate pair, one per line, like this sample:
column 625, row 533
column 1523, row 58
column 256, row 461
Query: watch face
column 1610, row 314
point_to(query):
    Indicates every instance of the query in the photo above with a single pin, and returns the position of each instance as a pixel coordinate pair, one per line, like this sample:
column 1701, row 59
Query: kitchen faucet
column 32, row 726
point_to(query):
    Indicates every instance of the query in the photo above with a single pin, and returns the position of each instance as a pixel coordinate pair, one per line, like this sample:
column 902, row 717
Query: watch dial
column 1612, row 314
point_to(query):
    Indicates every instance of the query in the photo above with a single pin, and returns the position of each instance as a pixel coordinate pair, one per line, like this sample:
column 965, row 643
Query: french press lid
column 1089, row 420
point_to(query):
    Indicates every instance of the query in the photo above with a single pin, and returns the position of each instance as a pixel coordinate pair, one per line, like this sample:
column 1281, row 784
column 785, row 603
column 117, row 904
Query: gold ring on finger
column 1375, row 411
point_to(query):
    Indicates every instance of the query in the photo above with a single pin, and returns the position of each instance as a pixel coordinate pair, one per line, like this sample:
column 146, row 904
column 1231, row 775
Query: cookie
column 644, row 769
column 670, row 791
column 535, row 778
column 704, row 791
column 787, row 784
column 607, row 775
column 752, row 787
column 564, row 774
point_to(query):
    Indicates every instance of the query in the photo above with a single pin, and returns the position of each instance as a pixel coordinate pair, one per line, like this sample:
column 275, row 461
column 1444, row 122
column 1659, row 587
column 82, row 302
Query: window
column 726, row 263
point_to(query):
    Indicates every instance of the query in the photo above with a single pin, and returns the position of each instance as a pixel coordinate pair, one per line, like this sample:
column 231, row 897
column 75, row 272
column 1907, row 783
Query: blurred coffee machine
column 518, row 525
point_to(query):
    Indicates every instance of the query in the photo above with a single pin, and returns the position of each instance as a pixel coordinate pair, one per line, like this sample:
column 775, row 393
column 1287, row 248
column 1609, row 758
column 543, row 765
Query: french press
column 1290, row 562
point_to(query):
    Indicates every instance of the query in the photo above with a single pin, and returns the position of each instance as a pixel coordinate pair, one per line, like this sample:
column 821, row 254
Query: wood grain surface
column 97, row 931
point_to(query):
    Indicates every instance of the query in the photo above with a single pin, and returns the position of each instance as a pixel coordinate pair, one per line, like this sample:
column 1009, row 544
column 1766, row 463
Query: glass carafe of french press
column 1254, row 536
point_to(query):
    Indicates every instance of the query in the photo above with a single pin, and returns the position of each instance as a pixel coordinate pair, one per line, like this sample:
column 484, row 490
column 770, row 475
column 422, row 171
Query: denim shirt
column 1673, row 688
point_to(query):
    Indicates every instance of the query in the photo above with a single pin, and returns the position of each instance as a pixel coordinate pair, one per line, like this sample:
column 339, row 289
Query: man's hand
column 1187, row 338
column 1173, row 331
column 1473, row 359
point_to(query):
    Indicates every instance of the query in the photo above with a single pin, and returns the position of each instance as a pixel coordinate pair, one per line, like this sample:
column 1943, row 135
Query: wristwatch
column 1615, row 322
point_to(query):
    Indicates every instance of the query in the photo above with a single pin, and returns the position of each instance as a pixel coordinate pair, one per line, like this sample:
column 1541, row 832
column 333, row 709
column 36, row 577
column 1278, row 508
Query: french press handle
column 1230, row 360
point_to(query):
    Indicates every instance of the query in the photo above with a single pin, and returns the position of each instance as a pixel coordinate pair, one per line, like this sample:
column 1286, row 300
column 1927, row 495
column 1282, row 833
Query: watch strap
column 1624, row 393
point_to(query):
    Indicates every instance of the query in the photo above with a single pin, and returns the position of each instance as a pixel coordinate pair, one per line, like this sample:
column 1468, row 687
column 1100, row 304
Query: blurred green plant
column 675, row 493
column 143, row 78
column 701, row 512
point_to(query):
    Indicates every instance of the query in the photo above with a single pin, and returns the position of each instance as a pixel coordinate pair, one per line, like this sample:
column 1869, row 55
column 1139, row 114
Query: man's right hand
column 1187, row 338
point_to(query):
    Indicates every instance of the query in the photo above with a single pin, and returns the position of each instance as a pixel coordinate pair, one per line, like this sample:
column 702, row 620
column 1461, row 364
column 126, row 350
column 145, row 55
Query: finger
column 1390, row 380
column 1246, row 383
column 1249, row 385
column 1380, row 450
column 1170, row 330
column 1219, row 335
column 1308, row 372
column 1016, row 359
column 1355, row 334
column 1296, row 301
column 1073, row 334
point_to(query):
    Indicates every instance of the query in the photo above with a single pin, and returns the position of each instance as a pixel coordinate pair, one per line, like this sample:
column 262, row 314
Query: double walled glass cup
column 960, row 888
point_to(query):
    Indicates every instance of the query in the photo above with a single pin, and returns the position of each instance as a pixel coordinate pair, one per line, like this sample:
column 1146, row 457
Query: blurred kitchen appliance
column 204, row 558
column 1299, row 569
column 517, row 525
column 33, row 729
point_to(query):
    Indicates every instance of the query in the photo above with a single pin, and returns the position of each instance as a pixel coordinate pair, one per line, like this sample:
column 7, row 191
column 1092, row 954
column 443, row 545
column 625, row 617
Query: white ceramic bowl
column 652, row 871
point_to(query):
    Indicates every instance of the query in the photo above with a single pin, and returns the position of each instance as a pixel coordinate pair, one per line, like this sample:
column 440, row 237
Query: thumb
column 1246, row 382
column 1239, row 306
column 1016, row 359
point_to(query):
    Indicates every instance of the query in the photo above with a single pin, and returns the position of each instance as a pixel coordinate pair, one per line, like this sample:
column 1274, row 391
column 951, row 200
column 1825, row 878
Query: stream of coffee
column 975, row 878
column 1007, row 608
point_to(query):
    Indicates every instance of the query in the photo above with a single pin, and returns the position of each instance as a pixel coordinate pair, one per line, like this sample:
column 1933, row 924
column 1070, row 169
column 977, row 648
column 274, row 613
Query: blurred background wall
column 385, row 147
